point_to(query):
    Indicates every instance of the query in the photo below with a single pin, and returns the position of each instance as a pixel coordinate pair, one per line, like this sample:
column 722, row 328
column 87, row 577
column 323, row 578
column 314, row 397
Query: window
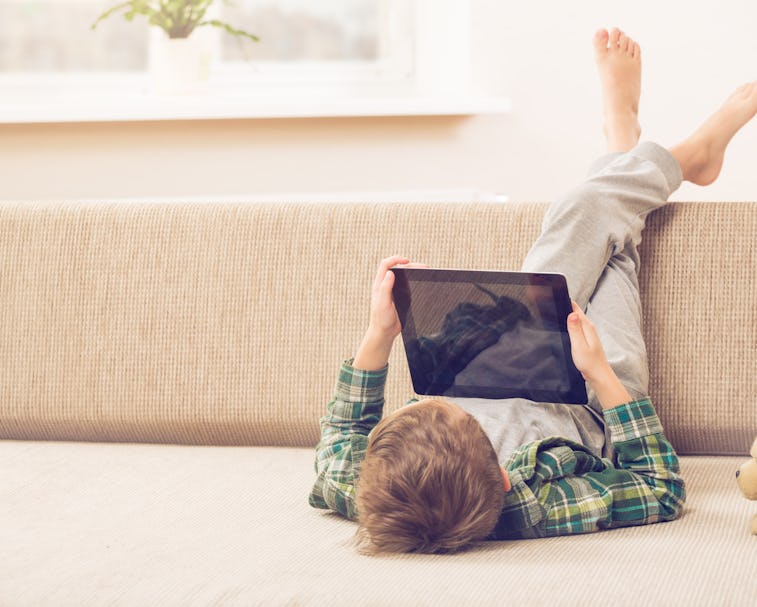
column 292, row 30
column 54, row 36
column 331, row 46
column 314, row 58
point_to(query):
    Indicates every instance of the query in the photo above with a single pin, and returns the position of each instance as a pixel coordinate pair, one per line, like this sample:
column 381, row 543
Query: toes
column 625, row 44
column 749, row 88
column 747, row 92
column 614, row 37
column 600, row 40
column 616, row 40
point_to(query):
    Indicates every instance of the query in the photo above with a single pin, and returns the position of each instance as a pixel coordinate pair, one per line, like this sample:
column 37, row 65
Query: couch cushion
column 699, row 292
column 85, row 524
column 226, row 324
column 205, row 324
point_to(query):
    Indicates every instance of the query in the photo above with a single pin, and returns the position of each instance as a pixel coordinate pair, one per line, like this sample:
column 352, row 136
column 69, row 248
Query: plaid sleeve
column 645, row 486
column 354, row 411
column 643, row 451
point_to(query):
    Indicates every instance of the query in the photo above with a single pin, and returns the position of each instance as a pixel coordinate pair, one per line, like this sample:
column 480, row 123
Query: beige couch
column 163, row 369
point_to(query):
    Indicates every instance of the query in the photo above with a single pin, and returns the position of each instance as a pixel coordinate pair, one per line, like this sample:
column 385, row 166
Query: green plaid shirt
column 558, row 486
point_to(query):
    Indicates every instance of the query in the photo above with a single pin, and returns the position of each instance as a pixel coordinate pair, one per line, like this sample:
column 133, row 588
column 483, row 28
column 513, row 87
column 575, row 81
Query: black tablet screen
column 487, row 334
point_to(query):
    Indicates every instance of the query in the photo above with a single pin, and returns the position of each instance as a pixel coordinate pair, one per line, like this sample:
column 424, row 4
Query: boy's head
column 430, row 481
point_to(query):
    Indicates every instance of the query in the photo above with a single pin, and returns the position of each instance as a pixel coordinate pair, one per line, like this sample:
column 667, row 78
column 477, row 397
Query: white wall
column 538, row 53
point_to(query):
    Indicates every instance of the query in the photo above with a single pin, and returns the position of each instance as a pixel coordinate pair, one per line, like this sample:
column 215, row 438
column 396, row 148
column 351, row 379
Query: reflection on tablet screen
column 486, row 339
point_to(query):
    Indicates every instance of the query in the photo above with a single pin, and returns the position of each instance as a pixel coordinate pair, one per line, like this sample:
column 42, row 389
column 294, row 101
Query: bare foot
column 701, row 155
column 619, row 65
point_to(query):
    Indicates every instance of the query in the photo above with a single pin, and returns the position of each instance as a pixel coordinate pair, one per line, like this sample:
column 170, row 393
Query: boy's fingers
column 383, row 294
column 574, row 319
column 575, row 329
column 587, row 327
column 394, row 260
column 577, row 309
column 581, row 331
column 384, row 265
column 590, row 333
column 388, row 282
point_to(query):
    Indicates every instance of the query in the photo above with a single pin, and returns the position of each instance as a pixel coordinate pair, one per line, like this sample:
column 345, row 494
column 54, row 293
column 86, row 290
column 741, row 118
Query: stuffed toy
column 746, row 478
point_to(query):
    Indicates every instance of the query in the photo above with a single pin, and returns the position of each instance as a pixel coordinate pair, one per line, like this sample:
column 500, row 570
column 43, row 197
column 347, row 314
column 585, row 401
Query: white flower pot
column 178, row 65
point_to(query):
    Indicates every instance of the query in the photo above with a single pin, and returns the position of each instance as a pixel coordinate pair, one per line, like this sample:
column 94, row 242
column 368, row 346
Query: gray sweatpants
column 591, row 235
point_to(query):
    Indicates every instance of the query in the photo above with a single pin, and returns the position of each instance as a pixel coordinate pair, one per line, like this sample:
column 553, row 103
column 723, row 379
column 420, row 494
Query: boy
column 439, row 474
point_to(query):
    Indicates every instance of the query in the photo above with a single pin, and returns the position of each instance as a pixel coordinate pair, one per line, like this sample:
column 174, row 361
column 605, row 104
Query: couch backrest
column 226, row 324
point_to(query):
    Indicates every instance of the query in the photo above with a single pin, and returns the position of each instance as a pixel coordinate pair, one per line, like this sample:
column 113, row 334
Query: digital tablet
column 487, row 334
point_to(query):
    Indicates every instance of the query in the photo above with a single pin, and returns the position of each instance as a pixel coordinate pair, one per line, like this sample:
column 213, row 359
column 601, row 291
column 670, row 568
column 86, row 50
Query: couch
column 163, row 368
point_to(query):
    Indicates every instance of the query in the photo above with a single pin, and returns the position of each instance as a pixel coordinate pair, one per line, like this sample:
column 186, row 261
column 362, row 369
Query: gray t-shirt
column 512, row 422
column 526, row 354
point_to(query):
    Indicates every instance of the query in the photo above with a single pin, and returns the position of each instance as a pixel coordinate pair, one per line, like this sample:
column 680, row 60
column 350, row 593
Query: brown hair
column 430, row 482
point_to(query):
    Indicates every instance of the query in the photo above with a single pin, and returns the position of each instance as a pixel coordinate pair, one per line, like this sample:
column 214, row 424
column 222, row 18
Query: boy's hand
column 588, row 354
column 384, row 325
column 384, row 321
column 589, row 358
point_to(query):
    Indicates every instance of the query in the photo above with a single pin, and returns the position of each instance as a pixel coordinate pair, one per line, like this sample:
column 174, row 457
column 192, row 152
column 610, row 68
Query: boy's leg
column 596, row 220
column 582, row 230
column 614, row 306
column 591, row 235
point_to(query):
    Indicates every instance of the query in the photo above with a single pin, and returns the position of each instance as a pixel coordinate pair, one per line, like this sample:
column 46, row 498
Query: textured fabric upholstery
column 225, row 324
column 218, row 325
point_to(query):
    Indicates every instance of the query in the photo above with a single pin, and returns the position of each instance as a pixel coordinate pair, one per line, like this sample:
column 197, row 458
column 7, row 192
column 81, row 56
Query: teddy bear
column 746, row 478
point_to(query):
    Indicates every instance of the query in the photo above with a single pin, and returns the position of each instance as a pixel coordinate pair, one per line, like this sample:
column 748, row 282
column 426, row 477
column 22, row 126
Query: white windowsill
column 31, row 102
column 150, row 110
column 434, row 195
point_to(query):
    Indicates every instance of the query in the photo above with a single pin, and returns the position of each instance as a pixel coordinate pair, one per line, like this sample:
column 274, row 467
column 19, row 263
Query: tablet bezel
column 575, row 394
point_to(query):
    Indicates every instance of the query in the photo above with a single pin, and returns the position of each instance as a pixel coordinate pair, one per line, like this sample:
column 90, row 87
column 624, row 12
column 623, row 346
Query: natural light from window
column 313, row 58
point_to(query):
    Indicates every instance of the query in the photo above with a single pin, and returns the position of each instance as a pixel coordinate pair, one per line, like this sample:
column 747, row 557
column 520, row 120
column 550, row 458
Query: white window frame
column 427, row 74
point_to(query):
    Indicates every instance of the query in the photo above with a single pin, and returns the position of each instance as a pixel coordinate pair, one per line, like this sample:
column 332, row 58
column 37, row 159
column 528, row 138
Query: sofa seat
column 140, row 524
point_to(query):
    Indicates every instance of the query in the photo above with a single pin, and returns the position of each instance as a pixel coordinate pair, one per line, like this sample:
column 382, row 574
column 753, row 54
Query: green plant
column 178, row 18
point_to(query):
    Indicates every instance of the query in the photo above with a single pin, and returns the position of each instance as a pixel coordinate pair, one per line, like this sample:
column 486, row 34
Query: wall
column 538, row 53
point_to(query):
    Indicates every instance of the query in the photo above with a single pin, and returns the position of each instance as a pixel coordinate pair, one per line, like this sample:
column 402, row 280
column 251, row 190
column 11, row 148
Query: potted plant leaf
column 179, row 62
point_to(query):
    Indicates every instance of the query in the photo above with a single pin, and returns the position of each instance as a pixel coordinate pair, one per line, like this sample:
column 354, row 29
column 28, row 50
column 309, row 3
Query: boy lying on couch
column 427, row 477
